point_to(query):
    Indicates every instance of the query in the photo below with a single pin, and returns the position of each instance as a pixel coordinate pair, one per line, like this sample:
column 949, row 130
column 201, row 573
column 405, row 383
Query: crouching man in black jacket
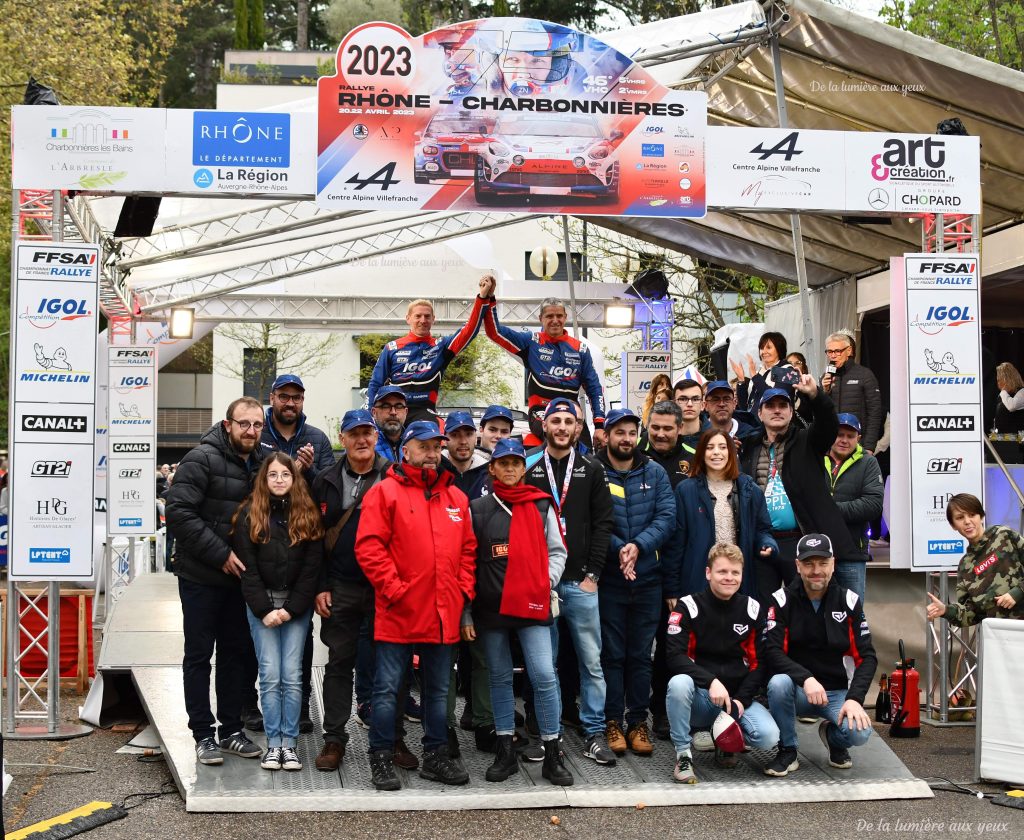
column 712, row 653
column 812, row 627
column 210, row 483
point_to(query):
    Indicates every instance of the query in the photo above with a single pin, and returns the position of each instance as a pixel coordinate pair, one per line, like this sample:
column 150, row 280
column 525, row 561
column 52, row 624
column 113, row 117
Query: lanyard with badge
column 559, row 499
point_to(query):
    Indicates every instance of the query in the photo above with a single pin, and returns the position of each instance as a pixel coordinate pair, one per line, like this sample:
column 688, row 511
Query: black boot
column 554, row 770
column 505, row 763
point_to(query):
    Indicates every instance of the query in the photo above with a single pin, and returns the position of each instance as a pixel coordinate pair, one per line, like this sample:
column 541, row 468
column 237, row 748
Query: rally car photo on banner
column 506, row 113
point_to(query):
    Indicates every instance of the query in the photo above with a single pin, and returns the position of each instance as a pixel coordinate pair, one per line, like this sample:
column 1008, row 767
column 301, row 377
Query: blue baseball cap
column 508, row 448
column 287, row 379
column 423, row 430
column 771, row 393
column 718, row 385
column 356, row 417
column 496, row 412
column 617, row 415
column 851, row 421
column 560, row 404
column 459, row 420
column 388, row 391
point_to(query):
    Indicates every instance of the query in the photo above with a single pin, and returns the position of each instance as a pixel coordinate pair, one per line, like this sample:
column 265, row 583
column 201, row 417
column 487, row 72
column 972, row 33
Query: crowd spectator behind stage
column 858, row 489
column 853, row 388
column 990, row 579
column 798, row 361
column 661, row 389
column 720, row 404
column 754, row 381
column 1010, row 409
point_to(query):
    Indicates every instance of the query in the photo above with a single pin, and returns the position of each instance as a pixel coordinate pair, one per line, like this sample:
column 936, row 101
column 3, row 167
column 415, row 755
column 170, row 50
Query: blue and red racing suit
column 416, row 365
column 555, row 367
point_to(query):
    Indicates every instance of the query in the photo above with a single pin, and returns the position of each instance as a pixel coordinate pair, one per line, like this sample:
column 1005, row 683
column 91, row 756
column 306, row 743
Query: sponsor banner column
column 943, row 353
column 54, row 392
column 640, row 367
column 131, row 457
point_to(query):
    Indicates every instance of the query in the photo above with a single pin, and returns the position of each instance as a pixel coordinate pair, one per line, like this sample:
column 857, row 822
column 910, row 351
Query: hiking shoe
column 271, row 759
column 382, row 771
column 661, row 727
column 785, row 762
column 289, row 759
column 330, row 756
column 616, row 740
column 702, row 741
column 597, row 749
column 413, row 710
column 725, row 759
column 836, row 757
column 639, row 737
column 683, row 771
column 363, row 715
column 252, row 719
column 403, row 757
column 239, row 744
column 208, row 752
column 438, row 766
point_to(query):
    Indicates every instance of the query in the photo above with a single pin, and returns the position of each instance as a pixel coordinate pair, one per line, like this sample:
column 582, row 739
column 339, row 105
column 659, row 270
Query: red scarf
column 526, row 593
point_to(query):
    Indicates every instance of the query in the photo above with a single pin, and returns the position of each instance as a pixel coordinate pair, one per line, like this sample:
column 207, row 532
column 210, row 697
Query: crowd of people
column 694, row 574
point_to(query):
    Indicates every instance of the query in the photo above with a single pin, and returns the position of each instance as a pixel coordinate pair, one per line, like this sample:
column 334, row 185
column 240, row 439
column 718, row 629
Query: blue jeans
column 690, row 707
column 852, row 574
column 629, row 620
column 540, row 665
column 787, row 700
column 581, row 614
column 279, row 654
column 392, row 663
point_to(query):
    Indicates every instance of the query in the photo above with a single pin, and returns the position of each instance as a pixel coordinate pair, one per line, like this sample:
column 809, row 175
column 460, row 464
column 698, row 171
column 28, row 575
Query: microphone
column 830, row 370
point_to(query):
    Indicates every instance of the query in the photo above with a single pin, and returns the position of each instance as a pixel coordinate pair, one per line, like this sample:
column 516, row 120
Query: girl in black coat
column 277, row 535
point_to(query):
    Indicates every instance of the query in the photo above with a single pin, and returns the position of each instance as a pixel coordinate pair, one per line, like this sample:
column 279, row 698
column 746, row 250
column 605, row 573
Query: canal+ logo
column 49, row 311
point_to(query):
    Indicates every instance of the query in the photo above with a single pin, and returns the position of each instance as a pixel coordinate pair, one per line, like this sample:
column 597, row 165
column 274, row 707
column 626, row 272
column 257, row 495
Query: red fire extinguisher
column 903, row 689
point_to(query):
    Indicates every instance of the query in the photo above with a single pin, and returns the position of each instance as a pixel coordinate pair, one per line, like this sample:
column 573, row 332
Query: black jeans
column 351, row 604
column 213, row 618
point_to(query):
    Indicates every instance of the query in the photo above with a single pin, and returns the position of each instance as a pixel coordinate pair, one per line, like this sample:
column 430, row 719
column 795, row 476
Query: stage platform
column 143, row 637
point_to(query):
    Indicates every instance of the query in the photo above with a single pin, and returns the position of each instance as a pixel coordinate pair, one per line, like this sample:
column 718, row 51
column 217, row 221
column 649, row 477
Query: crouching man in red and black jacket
column 814, row 629
column 711, row 652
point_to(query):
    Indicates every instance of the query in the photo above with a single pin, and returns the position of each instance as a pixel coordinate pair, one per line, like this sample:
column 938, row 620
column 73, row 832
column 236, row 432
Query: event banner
column 639, row 369
column 943, row 394
column 53, row 379
column 131, row 440
column 517, row 114
column 843, row 171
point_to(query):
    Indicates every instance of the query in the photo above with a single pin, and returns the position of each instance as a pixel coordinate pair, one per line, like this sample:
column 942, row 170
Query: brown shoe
column 403, row 758
column 330, row 756
column 616, row 740
column 640, row 739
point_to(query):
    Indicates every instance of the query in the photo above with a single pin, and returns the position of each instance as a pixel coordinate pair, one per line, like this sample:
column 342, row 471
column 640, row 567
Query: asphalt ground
column 45, row 785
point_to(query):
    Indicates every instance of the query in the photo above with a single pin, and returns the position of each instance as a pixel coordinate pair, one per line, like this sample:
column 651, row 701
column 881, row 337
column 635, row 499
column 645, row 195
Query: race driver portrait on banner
column 507, row 112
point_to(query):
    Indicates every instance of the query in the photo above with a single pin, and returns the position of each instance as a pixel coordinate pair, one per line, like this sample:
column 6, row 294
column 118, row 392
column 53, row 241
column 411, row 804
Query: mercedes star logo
column 878, row 199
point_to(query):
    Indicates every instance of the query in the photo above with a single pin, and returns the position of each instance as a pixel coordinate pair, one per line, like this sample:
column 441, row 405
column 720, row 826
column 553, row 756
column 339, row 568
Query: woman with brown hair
column 277, row 535
column 718, row 503
column 1010, row 410
column 661, row 389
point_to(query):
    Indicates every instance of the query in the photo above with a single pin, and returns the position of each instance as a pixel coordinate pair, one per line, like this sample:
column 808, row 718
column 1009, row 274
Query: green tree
column 342, row 16
column 250, row 25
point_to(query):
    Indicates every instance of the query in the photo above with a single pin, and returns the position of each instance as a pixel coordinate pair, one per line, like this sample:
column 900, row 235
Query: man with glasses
column 210, row 483
column 852, row 387
column 689, row 396
column 417, row 361
column 286, row 430
column 390, row 412
column 720, row 404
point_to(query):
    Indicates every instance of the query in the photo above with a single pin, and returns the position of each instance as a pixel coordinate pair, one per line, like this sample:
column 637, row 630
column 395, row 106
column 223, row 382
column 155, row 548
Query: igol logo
column 51, row 310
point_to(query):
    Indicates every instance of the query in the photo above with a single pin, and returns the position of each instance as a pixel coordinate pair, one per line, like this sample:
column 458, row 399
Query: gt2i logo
column 945, row 466
column 383, row 177
column 785, row 147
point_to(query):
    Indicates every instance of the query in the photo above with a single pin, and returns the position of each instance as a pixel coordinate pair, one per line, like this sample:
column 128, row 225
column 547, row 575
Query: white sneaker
column 271, row 759
column 702, row 741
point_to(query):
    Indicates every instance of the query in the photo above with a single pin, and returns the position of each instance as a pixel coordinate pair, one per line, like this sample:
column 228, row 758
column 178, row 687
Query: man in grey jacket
column 857, row 488
column 852, row 387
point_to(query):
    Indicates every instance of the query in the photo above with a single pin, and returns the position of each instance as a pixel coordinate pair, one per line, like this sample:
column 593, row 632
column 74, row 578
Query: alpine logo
column 839, row 616
column 741, row 629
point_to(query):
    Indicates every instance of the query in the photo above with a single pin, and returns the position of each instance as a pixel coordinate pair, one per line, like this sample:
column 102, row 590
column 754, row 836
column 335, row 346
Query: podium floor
column 144, row 637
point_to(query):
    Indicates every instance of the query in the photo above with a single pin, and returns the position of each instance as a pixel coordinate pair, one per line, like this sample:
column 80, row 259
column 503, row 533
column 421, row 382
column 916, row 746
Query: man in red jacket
column 416, row 546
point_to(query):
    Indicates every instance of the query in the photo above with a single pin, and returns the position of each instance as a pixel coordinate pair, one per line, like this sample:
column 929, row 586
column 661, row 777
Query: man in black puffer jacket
column 211, row 482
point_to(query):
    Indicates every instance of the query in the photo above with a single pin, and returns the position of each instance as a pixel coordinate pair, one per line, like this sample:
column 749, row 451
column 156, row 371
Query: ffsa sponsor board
column 943, row 358
column 529, row 116
column 54, row 392
column 641, row 366
column 131, row 437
